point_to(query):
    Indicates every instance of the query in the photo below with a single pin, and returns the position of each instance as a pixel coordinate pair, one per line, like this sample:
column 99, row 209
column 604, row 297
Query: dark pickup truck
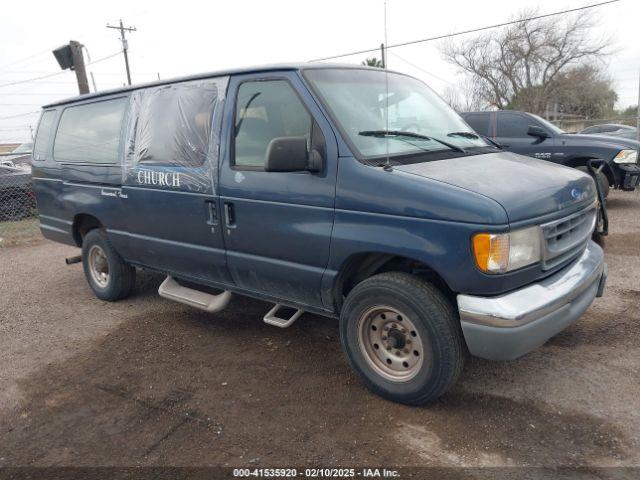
column 616, row 158
column 349, row 192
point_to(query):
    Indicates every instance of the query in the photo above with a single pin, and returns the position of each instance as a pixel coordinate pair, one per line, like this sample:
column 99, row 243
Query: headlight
column 626, row 156
column 504, row 252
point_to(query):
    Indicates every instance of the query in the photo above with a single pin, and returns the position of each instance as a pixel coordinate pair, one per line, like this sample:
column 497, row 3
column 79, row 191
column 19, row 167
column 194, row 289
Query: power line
column 105, row 58
column 20, row 115
column 473, row 30
column 15, row 62
column 423, row 70
column 18, row 82
column 32, row 93
column 42, row 77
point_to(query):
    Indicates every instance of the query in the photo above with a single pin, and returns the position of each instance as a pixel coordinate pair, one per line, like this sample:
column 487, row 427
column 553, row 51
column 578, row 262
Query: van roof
column 199, row 76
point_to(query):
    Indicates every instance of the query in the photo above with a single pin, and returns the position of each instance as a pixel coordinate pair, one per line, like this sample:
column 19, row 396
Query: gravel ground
column 149, row 382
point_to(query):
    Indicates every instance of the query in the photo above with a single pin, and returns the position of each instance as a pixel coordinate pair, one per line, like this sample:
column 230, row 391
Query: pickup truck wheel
column 403, row 337
column 108, row 275
column 602, row 178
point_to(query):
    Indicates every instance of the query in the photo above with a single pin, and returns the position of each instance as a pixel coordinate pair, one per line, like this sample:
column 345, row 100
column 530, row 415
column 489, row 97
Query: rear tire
column 602, row 179
column 403, row 337
column 108, row 275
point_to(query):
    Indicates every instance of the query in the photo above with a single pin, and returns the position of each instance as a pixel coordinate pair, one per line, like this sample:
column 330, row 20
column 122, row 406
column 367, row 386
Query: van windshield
column 390, row 113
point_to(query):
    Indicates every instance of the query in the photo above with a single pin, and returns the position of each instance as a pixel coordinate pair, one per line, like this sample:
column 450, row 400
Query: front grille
column 567, row 237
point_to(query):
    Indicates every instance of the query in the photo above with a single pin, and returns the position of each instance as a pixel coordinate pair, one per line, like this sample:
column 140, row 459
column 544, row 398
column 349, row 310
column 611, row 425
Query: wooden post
column 78, row 66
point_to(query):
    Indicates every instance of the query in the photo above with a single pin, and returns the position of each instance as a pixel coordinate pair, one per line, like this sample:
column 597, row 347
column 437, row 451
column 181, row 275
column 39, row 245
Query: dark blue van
column 349, row 192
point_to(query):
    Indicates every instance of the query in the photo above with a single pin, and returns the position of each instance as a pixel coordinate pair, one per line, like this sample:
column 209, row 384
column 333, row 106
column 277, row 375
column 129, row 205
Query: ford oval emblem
column 575, row 193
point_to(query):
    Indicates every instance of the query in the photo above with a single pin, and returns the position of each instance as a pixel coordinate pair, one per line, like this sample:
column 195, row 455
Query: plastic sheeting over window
column 173, row 135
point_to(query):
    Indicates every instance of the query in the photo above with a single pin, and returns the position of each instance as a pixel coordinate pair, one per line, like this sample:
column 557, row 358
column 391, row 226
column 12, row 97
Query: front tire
column 403, row 337
column 108, row 275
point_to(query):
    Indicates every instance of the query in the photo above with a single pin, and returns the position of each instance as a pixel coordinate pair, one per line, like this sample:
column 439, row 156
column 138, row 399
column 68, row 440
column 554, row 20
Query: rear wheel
column 108, row 275
column 403, row 337
column 602, row 179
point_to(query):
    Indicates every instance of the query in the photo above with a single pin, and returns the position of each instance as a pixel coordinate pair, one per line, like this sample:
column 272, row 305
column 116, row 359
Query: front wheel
column 108, row 275
column 403, row 337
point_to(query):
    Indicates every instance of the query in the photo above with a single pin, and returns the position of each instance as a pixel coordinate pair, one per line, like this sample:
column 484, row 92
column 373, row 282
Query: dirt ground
column 146, row 382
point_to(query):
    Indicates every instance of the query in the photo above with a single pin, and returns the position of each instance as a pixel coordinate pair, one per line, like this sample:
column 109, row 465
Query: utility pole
column 638, row 111
column 125, row 45
column 78, row 66
column 383, row 55
column 93, row 81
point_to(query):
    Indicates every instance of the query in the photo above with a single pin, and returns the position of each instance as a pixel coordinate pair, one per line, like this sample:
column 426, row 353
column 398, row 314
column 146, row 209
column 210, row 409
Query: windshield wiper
column 403, row 133
column 463, row 134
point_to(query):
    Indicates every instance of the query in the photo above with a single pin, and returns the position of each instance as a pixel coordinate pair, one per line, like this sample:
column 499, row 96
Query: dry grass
column 21, row 232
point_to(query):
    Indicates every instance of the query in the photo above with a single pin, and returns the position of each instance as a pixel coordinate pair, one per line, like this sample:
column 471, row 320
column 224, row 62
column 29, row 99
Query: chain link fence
column 18, row 212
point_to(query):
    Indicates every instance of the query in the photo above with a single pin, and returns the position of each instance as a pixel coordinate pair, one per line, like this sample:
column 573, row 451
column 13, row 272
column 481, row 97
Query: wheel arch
column 83, row 223
column 360, row 266
column 582, row 162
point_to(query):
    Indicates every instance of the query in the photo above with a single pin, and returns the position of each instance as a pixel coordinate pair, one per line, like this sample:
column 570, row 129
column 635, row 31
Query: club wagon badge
column 162, row 179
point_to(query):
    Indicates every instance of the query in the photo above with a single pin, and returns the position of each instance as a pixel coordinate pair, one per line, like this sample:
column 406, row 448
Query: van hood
column 524, row 186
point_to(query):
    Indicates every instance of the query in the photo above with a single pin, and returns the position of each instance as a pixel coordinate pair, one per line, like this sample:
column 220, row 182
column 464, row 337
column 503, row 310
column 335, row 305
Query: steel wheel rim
column 98, row 266
column 390, row 343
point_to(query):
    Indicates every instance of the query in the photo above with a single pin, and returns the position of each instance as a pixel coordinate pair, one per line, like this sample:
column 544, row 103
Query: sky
column 186, row 37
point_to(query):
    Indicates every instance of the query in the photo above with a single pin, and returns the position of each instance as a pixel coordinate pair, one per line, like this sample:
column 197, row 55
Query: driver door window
column 266, row 110
column 512, row 126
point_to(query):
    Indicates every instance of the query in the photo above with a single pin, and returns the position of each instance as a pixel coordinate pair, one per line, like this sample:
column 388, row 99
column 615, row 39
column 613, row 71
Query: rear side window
column 43, row 135
column 266, row 110
column 479, row 122
column 90, row 133
column 512, row 125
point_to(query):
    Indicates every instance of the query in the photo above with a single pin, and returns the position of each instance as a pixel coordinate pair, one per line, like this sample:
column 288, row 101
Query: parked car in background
column 531, row 135
column 613, row 130
column 17, row 200
column 20, row 157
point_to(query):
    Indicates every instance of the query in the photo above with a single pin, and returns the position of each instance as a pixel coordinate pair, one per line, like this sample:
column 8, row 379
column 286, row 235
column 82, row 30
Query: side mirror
column 537, row 131
column 289, row 154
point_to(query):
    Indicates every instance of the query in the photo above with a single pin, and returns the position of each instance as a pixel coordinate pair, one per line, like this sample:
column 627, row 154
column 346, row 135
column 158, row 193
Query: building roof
column 200, row 76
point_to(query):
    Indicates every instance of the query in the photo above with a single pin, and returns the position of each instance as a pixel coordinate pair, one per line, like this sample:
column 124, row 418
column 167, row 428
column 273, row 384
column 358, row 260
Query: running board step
column 272, row 319
column 195, row 298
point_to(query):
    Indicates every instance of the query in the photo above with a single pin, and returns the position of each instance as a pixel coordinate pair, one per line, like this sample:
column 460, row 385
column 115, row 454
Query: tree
column 585, row 91
column 630, row 111
column 522, row 65
column 464, row 97
column 373, row 62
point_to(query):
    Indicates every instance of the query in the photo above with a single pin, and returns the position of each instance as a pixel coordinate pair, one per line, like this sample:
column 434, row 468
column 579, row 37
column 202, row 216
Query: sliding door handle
column 229, row 215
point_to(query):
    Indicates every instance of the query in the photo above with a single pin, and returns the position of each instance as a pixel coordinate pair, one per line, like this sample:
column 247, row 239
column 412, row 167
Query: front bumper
column 510, row 325
column 630, row 176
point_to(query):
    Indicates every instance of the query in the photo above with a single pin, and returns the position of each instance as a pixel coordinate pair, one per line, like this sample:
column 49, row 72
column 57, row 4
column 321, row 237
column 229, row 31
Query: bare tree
column 464, row 97
column 517, row 67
